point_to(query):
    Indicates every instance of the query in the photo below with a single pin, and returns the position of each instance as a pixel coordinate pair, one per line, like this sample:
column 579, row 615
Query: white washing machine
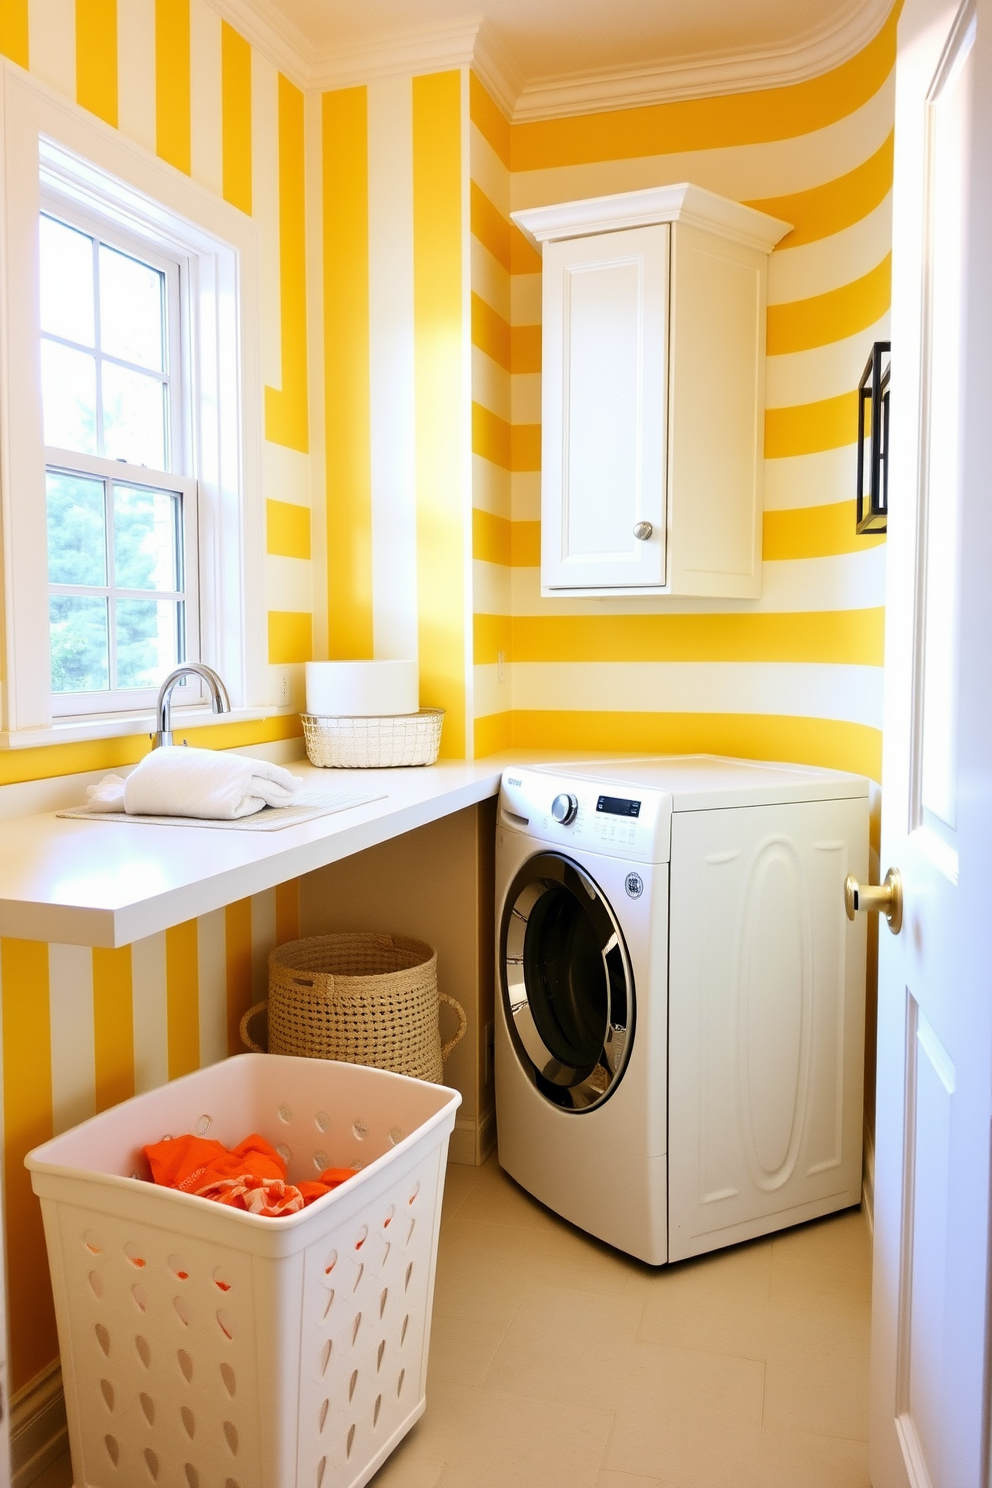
column 680, row 996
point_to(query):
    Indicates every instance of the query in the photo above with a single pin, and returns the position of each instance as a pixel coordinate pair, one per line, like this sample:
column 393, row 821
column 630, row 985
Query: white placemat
column 306, row 806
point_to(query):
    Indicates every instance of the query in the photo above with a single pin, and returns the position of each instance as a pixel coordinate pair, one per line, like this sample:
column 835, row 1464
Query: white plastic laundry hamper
column 203, row 1347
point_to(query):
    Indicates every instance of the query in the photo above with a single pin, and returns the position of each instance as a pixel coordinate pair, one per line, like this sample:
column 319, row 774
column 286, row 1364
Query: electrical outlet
column 284, row 691
column 500, row 666
column 489, row 1054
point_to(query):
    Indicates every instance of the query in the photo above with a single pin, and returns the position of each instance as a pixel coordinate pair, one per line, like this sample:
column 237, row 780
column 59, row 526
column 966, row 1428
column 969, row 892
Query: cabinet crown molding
column 680, row 203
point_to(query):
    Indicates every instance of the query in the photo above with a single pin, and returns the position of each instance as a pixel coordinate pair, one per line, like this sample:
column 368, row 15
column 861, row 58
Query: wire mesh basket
column 373, row 743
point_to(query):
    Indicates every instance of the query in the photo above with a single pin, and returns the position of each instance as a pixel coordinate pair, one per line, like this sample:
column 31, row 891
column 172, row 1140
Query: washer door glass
column 567, row 988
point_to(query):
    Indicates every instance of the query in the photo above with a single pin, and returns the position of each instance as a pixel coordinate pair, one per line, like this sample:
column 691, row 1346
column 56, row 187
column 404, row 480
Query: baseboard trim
column 472, row 1139
column 38, row 1431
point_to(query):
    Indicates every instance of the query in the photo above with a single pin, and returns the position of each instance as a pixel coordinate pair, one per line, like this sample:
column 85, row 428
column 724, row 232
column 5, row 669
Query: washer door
column 567, row 986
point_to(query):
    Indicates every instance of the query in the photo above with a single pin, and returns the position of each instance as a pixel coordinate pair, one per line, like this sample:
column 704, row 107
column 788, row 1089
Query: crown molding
column 706, row 75
column 474, row 41
column 681, row 203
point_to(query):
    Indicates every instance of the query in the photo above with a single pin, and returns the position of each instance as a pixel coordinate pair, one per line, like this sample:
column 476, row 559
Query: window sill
column 120, row 725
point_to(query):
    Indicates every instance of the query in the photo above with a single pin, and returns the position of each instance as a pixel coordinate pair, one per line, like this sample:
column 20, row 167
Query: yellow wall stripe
column 113, row 1026
column 493, row 733
column 182, row 998
column 525, row 447
column 828, row 209
column 799, row 325
column 525, row 348
column 807, row 428
column 237, row 936
column 286, row 414
column 438, row 332
column 524, row 258
column 490, row 332
column 27, row 1121
column 827, row 742
column 525, row 544
column 346, row 374
column 839, row 637
column 490, row 226
column 287, row 529
column 491, row 437
column 490, row 537
column 290, row 636
column 14, row 30
column 814, row 531
column 235, row 66
column 172, row 91
column 287, row 911
column 96, row 58
column 709, row 123
column 490, row 635
column 489, row 119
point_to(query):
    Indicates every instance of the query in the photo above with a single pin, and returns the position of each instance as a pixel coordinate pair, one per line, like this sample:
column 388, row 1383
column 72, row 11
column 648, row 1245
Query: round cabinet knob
column 564, row 809
column 643, row 531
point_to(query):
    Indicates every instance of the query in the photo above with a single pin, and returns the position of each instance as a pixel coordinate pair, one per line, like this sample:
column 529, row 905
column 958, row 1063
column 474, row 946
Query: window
column 130, row 430
column 121, row 529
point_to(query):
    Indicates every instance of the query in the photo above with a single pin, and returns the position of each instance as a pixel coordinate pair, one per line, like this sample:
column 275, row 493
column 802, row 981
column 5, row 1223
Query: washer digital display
column 618, row 806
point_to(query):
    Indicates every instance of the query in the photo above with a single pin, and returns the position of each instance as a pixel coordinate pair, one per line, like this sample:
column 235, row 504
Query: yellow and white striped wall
column 797, row 674
column 178, row 80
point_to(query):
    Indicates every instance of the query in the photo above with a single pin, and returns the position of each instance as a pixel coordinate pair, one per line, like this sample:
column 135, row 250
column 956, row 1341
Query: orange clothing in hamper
column 250, row 1176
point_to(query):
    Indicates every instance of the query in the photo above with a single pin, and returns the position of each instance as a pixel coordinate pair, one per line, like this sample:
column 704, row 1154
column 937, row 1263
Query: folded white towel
column 176, row 781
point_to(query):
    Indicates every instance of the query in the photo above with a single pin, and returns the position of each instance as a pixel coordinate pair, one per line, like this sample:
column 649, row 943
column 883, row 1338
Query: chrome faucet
column 219, row 700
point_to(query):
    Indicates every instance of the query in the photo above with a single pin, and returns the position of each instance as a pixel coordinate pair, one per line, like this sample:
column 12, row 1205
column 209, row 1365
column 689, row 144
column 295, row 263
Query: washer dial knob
column 564, row 809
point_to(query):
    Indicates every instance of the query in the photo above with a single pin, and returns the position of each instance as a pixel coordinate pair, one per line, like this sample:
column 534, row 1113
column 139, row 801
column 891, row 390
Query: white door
column 930, row 1301
column 604, row 444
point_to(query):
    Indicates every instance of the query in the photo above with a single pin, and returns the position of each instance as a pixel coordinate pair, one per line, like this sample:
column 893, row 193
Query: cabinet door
column 766, row 1020
column 605, row 409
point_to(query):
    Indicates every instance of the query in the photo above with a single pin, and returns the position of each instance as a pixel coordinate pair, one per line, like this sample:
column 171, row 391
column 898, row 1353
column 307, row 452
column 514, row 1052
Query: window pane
column 66, row 282
column 133, row 417
column 145, row 533
column 68, row 387
column 77, row 547
column 132, row 304
column 79, row 643
column 147, row 641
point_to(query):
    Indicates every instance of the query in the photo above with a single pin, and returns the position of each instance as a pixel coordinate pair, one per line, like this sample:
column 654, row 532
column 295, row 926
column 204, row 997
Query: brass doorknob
column 884, row 898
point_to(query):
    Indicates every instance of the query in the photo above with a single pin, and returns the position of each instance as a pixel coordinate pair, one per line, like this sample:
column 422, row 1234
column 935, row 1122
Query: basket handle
column 246, row 1037
column 462, row 1024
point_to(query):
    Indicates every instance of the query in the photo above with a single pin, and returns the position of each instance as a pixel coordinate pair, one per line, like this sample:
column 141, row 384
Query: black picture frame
column 873, row 441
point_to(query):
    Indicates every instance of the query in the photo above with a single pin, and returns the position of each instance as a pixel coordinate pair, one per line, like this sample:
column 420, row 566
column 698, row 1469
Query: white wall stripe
column 742, row 172
column 263, row 938
column 488, row 171
column 525, row 394
column 288, row 583
column 151, row 1018
column 830, row 263
column 265, row 206
column 490, row 487
column 136, row 71
column 492, row 587
column 490, row 281
column 490, row 384
column 206, row 129
column 391, row 368
column 525, row 495
column 822, row 371
column 848, row 581
column 801, row 689
column 211, row 950
column 285, row 474
column 811, row 480
column 52, row 43
column 70, row 996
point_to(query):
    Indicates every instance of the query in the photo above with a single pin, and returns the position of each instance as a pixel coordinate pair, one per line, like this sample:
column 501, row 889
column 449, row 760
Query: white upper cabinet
column 653, row 392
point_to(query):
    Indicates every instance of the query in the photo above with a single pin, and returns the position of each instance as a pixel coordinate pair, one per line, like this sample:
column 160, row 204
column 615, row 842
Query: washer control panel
column 558, row 809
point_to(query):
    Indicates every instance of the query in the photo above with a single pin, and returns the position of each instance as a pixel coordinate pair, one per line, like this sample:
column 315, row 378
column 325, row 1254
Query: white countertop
column 109, row 883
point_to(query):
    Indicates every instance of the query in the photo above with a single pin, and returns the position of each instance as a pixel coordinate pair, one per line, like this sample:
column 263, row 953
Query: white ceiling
column 542, row 55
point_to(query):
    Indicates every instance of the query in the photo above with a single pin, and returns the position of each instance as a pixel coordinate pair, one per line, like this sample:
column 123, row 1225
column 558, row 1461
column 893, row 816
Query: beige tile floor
column 559, row 1363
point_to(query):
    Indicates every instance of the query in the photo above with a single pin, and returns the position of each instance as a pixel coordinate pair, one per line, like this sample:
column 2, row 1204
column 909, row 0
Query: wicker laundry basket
column 362, row 998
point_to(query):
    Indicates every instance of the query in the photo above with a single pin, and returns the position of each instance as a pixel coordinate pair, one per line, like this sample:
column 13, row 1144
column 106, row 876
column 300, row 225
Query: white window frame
column 87, row 162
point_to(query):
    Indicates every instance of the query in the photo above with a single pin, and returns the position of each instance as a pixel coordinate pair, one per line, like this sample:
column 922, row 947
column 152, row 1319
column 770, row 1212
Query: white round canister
column 362, row 689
